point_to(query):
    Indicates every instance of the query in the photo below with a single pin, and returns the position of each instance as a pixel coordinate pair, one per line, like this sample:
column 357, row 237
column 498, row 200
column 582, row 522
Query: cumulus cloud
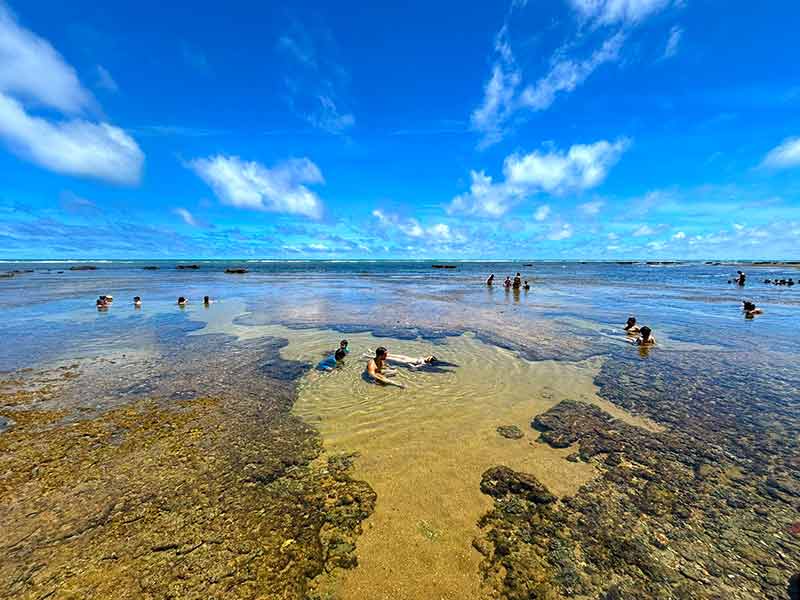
column 74, row 147
column 608, row 12
column 679, row 236
column 561, row 232
column 542, row 212
column 673, row 41
column 643, row 230
column 33, row 70
column 440, row 232
column 33, row 74
column 582, row 167
column 591, row 208
column 784, row 156
column 250, row 185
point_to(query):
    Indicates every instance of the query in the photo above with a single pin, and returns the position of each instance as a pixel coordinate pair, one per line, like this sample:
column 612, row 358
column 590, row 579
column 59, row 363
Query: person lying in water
column 645, row 337
column 332, row 362
column 631, row 327
column 750, row 309
column 414, row 362
column 377, row 370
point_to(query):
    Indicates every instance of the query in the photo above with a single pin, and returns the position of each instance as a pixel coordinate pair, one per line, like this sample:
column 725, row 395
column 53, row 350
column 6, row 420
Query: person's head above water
column 645, row 331
column 343, row 344
column 630, row 322
column 747, row 305
column 206, row 300
column 340, row 354
column 381, row 352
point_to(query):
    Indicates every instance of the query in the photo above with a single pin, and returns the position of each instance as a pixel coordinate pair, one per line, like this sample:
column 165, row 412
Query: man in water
column 377, row 371
column 517, row 281
column 490, row 281
column 740, row 277
column 330, row 363
column 750, row 309
column 645, row 337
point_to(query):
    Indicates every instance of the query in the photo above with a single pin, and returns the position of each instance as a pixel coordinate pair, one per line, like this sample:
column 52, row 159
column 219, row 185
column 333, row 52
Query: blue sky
column 562, row 129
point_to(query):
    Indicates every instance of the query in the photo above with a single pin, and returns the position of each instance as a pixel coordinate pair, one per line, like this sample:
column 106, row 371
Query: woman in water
column 630, row 326
column 507, row 282
column 490, row 281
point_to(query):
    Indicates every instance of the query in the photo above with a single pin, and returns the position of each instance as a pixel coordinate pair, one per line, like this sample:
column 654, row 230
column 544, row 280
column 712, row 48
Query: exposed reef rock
column 511, row 432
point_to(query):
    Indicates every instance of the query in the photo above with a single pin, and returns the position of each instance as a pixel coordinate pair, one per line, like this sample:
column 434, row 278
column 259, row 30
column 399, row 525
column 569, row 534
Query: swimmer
column 206, row 300
column 740, row 277
column 101, row 304
column 330, row 363
column 343, row 346
column 107, row 299
column 645, row 337
column 507, row 282
column 750, row 309
column 630, row 326
column 517, row 281
column 376, row 368
column 182, row 301
column 490, row 281
column 137, row 301
column 413, row 362
column 527, row 286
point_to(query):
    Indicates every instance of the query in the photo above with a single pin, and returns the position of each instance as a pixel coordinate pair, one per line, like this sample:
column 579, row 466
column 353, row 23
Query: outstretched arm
column 373, row 372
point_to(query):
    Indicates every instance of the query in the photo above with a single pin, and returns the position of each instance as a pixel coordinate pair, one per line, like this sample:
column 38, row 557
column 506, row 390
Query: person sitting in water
column 630, row 326
column 137, row 301
column 527, row 286
column 645, row 337
column 343, row 346
column 182, row 301
column 517, row 282
column 377, row 371
column 507, row 282
column 330, row 363
column 490, row 281
column 750, row 309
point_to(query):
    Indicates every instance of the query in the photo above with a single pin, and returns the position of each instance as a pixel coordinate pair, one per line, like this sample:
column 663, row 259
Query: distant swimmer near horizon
column 645, row 337
column 377, row 371
column 750, row 309
column 631, row 327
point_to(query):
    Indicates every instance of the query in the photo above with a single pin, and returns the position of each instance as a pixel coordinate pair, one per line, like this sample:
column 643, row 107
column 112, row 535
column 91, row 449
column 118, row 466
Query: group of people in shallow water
column 641, row 336
column 103, row 302
column 509, row 284
column 789, row 282
column 377, row 369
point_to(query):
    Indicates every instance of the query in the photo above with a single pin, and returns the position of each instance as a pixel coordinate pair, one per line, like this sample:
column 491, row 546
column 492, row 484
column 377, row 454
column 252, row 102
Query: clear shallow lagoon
column 714, row 376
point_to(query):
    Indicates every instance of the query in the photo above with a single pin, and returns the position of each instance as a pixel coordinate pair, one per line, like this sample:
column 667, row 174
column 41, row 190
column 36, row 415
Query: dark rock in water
column 83, row 268
column 8, row 275
column 237, row 270
column 512, row 432
column 501, row 481
column 151, row 268
column 183, row 267
column 444, row 266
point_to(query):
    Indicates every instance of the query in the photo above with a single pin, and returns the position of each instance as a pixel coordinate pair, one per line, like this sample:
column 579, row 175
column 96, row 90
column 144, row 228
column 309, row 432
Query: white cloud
column 738, row 227
column 33, row 70
column 784, row 156
column 33, row 74
column 591, row 208
column 566, row 74
column 582, row 167
column 656, row 245
column 187, row 217
column 542, row 212
column 105, row 81
column 74, row 147
column 679, row 236
column 644, row 230
column 612, row 236
column 328, row 118
column 560, row 233
column 440, row 232
column 248, row 184
column 673, row 41
column 607, row 12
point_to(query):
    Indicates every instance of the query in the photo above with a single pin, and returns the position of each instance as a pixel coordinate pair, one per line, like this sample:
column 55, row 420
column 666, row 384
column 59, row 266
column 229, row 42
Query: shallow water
column 423, row 449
